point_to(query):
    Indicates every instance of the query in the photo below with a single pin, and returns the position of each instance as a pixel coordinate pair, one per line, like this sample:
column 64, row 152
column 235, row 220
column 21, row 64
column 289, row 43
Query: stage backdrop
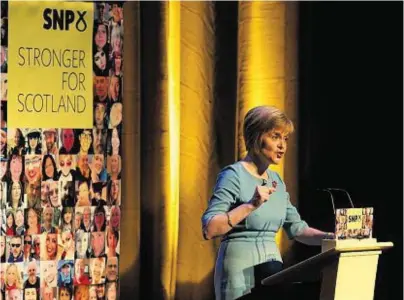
column 191, row 72
column 61, row 148
column 203, row 66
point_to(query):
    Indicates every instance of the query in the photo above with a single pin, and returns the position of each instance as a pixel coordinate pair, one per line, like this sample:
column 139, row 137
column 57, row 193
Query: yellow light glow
column 198, row 167
column 171, row 207
column 261, row 63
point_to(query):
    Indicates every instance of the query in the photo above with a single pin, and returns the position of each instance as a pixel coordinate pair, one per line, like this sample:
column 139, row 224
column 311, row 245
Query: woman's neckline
column 253, row 175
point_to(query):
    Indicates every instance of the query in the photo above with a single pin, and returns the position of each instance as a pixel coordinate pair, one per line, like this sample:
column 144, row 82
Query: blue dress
column 252, row 241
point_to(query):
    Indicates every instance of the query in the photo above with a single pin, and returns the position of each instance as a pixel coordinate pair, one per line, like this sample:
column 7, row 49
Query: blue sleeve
column 293, row 224
column 225, row 193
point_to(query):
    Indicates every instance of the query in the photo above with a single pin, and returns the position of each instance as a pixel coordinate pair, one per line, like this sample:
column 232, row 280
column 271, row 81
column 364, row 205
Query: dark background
column 351, row 104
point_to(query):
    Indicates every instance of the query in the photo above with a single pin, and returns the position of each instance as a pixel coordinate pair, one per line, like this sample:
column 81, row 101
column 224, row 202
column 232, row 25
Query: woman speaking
column 250, row 204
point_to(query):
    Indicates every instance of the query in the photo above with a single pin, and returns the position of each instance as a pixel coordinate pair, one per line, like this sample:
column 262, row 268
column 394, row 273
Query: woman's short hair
column 260, row 120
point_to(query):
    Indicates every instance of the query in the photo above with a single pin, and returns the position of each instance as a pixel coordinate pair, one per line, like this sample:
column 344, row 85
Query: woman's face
column 116, row 114
column 98, row 241
column 97, row 270
column 112, row 243
column 68, row 139
column 51, row 245
column 99, row 219
column 101, row 36
column 100, row 60
column 33, row 167
column 49, row 169
column 274, row 145
column 10, row 220
column 98, row 163
column 64, row 294
column 116, row 12
column 16, row 167
column 65, row 163
column 15, row 191
column 19, row 218
column 11, row 275
column 115, row 189
column 67, row 240
column 115, row 216
column 114, row 164
column 33, row 142
column 67, row 217
column 32, row 219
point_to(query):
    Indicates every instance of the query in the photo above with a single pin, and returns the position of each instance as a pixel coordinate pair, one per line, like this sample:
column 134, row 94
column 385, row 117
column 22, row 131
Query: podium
column 348, row 269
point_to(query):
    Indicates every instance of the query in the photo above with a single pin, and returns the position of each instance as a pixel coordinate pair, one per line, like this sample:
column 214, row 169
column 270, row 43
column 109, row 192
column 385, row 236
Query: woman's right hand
column 261, row 195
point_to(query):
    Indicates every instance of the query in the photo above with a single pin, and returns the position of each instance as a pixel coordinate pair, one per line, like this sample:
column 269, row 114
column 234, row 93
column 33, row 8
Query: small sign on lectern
column 353, row 223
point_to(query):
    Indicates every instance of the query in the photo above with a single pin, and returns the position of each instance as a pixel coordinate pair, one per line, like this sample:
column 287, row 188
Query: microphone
column 345, row 191
column 331, row 196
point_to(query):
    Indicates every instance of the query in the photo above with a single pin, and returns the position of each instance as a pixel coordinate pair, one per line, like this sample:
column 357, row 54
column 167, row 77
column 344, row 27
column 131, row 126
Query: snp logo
column 62, row 19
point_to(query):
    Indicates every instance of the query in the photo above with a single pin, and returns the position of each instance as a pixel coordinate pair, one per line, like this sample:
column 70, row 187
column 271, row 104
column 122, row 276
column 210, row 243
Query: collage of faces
column 363, row 224
column 60, row 196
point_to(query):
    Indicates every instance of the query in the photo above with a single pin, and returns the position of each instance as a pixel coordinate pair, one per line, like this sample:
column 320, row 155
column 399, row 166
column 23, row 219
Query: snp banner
column 50, row 64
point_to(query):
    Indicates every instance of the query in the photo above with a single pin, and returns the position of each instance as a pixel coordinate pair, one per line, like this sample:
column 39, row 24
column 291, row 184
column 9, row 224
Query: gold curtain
column 197, row 152
column 267, row 73
column 185, row 127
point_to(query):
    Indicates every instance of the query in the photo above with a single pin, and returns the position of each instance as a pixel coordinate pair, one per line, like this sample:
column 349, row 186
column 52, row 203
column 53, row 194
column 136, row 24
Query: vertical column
column 264, row 64
column 130, row 227
column 160, row 148
column 197, row 149
column 172, row 141
column 291, row 105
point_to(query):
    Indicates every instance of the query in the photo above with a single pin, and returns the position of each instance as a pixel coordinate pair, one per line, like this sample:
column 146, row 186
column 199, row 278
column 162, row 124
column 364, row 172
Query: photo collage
column 354, row 223
column 60, row 195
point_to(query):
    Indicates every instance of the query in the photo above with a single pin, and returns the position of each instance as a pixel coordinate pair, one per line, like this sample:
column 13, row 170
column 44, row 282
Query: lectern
column 348, row 269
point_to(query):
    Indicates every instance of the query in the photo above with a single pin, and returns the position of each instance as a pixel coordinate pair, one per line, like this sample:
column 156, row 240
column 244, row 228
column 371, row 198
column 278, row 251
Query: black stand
column 286, row 291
